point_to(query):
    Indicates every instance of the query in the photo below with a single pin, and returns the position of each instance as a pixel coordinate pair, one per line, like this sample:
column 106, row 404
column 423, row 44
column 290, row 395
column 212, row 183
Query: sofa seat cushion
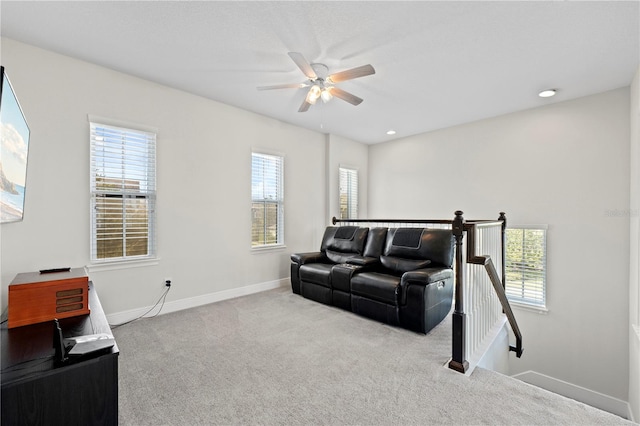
column 316, row 273
column 399, row 265
column 376, row 286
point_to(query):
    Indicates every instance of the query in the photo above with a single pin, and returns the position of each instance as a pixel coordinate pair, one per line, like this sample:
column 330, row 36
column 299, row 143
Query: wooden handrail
column 335, row 220
column 467, row 224
column 506, row 307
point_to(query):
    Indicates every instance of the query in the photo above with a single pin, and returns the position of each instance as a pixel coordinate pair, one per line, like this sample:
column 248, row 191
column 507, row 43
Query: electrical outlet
column 167, row 282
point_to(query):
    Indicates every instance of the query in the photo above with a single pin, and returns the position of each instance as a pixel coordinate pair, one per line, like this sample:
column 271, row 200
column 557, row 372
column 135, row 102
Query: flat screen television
column 14, row 150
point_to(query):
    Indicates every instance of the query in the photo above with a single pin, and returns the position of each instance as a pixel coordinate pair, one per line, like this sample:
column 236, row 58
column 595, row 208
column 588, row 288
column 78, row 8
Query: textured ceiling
column 437, row 64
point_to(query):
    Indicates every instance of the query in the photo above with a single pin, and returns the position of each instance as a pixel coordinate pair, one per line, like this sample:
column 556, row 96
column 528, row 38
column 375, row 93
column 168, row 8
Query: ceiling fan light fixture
column 313, row 94
column 311, row 99
column 326, row 95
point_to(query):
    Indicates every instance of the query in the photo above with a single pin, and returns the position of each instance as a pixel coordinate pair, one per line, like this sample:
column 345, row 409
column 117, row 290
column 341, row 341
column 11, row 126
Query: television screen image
column 14, row 148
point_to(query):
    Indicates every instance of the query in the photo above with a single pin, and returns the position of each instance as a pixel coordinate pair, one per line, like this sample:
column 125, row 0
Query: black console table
column 35, row 391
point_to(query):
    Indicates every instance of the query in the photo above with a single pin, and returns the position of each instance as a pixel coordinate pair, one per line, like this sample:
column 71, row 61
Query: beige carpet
column 275, row 358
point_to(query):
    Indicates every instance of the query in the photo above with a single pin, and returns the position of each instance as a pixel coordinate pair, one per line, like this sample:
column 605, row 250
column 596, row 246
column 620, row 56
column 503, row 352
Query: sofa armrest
column 299, row 259
column 364, row 261
column 310, row 257
column 427, row 275
column 423, row 277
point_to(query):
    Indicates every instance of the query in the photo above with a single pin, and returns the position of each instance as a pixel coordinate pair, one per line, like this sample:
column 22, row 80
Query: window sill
column 122, row 264
column 267, row 249
column 532, row 308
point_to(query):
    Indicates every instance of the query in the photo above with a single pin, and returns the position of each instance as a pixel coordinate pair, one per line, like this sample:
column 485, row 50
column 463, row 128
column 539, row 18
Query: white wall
column 354, row 155
column 634, row 278
column 204, row 161
column 565, row 165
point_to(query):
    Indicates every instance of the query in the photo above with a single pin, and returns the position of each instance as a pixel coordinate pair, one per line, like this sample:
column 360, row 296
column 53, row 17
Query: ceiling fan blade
column 284, row 86
column 304, row 65
column 351, row 74
column 345, row 96
column 305, row 106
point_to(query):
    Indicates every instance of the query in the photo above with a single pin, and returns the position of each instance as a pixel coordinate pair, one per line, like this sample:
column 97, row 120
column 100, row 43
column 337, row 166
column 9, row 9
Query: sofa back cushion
column 341, row 242
column 375, row 242
column 407, row 249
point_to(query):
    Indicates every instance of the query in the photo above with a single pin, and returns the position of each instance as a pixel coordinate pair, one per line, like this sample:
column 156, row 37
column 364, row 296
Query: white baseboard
column 192, row 302
column 584, row 395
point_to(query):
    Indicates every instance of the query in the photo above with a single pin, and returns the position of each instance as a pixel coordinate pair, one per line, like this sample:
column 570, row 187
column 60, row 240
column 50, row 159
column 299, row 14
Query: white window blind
column 123, row 193
column 267, row 200
column 348, row 193
column 526, row 265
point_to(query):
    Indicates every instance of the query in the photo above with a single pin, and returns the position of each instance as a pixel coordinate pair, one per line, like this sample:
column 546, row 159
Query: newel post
column 503, row 219
column 458, row 361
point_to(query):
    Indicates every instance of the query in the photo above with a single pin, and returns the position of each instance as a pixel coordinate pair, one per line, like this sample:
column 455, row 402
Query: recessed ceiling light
column 391, row 132
column 547, row 93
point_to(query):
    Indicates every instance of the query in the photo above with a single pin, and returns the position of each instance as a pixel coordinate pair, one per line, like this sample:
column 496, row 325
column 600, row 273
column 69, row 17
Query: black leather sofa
column 400, row 276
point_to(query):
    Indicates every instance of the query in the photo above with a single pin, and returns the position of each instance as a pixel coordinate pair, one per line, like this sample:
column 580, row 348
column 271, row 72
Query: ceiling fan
column 322, row 84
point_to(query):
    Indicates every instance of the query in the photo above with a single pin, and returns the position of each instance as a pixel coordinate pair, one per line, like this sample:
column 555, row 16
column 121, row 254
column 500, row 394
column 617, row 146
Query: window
column 526, row 264
column 123, row 193
column 348, row 193
column 267, row 200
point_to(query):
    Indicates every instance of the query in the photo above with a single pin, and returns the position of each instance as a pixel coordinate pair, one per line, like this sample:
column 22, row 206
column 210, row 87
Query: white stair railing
column 481, row 303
